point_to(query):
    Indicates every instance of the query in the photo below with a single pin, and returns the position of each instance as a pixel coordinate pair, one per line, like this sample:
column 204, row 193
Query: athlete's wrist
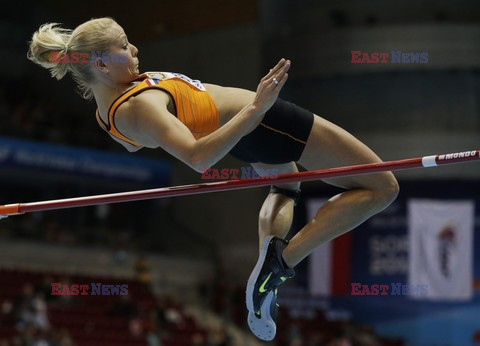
column 256, row 111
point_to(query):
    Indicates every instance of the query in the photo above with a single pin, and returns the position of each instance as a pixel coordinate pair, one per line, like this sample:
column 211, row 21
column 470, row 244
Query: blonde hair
column 52, row 42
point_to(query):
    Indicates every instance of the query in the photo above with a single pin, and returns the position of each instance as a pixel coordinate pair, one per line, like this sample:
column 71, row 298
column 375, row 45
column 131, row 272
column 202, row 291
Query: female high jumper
column 200, row 123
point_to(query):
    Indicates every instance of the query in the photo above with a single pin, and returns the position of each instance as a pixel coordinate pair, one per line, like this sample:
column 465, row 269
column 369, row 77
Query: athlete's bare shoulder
column 126, row 116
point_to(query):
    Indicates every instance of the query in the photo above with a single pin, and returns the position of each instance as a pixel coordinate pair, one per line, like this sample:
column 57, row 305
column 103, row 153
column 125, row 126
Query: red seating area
column 321, row 331
column 304, row 320
column 91, row 320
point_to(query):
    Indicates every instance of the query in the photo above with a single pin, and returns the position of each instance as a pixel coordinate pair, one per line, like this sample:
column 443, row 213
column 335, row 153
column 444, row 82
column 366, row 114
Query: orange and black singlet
column 280, row 137
column 193, row 104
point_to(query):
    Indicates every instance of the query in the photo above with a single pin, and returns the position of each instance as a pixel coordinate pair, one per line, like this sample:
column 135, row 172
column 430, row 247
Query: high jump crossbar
column 194, row 189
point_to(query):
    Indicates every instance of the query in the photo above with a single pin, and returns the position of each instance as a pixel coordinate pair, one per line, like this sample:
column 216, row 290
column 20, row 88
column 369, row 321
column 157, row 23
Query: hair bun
column 47, row 42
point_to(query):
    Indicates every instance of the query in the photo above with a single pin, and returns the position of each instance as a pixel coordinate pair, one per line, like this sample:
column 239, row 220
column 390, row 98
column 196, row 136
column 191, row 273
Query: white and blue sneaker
column 263, row 324
column 269, row 273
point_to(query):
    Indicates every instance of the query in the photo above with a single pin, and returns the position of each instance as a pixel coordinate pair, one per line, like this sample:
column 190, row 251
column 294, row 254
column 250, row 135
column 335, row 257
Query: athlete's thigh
column 264, row 169
column 329, row 145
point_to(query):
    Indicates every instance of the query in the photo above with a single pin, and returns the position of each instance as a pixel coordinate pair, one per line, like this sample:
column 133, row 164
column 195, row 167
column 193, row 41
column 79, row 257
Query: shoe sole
column 264, row 327
column 254, row 275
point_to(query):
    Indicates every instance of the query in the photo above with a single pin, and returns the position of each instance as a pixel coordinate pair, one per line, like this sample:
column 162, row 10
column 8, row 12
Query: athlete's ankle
column 287, row 261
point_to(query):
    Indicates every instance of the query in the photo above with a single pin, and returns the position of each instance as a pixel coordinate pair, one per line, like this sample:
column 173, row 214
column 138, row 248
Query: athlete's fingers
column 282, row 71
column 275, row 70
column 280, row 76
column 280, row 82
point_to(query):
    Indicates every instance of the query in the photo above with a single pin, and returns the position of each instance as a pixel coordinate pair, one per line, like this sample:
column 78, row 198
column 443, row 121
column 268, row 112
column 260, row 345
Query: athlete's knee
column 387, row 191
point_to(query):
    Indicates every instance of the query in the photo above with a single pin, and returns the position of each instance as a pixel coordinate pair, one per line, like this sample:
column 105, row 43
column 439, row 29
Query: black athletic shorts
column 280, row 137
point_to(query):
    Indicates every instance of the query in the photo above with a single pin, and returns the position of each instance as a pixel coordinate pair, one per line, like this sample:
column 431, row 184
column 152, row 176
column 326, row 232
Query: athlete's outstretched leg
column 327, row 146
column 331, row 146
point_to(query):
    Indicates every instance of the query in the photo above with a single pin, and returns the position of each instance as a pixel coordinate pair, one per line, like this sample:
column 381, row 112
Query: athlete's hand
column 270, row 86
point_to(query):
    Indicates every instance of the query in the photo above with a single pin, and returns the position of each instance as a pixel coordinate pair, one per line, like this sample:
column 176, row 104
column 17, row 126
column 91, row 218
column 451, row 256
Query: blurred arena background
column 186, row 260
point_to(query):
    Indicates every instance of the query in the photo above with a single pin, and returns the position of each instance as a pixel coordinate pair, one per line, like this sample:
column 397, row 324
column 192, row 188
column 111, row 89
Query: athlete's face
column 121, row 63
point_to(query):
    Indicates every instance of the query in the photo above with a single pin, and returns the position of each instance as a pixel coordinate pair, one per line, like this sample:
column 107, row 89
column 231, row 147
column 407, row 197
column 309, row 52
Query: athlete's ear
column 100, row 65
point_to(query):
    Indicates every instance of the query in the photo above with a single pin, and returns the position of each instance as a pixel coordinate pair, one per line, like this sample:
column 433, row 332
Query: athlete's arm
column 214, row 147
column 147, row 121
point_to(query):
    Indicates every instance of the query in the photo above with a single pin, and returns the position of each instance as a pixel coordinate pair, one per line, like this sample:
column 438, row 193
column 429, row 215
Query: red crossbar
column 183, row 190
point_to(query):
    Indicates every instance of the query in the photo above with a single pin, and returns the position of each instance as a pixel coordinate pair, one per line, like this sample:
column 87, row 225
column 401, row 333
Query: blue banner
column 84, row 163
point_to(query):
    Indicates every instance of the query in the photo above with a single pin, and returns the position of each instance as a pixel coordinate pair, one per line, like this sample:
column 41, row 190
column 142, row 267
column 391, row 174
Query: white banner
column 441, row 248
